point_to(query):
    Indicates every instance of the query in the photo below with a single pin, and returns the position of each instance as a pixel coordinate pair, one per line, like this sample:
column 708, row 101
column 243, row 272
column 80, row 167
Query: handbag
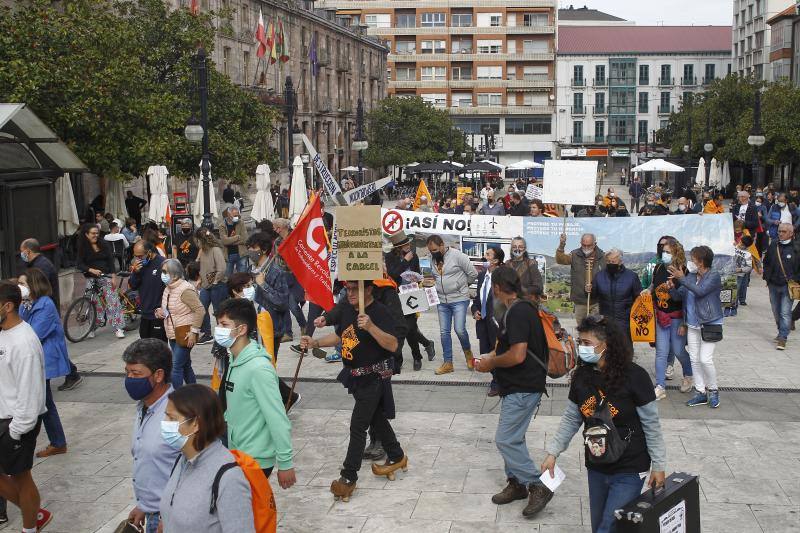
column 181, row 332
column 127, row 527
column 793, row 286
column 711, row 332
column 602, row 442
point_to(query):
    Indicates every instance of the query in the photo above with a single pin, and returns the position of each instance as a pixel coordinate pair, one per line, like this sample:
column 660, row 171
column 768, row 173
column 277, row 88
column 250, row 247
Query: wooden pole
column 361, row 296
column 294, row 381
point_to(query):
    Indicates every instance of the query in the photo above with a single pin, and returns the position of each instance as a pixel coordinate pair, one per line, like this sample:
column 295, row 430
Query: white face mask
column 787, row 241
column 26, row 292
column 691, row 267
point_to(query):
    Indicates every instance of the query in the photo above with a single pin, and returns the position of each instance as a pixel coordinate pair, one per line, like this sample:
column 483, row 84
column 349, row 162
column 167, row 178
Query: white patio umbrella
column 715, row 177
column 524, row 164
column 67, row 212
column 657, row 165
column 158, row 192
column 298, row 195
column 263, row 208
column 115, row 199
column 454, row 163
column 726, row 175
column 350, row 169
column 498, row 165
column 700, row 179
column 197, row 210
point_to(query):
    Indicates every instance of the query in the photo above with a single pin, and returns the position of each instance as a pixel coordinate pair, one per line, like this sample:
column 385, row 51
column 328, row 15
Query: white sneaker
column 660, row 392
column 687, row 384
column 669, row 373
column 90, row 335
column 120, row 334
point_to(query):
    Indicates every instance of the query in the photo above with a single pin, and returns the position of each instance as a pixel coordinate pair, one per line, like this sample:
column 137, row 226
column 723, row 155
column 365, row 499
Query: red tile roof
column 789, row 12
column 578, row 40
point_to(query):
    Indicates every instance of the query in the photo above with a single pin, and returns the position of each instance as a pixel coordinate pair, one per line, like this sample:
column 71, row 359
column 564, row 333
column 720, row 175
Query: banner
column 359, row 244
column 422, row 190
column 569, row 182
column 448, row 224
column 643, row 319
column 358, row 194
column 460, row 192
column 328, row 181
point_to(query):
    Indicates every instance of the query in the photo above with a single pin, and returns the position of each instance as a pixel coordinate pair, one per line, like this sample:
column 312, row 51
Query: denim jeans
column 314, row 311
column 297, row 311
column 236, row 263
column 781, row 308
column 181, row 365
column 151, row 521
column 214, row 295
column 453, row 315
column 669, row 342
column 51, row 420
column 742, row 282
column 607, row 493
column 516, row 411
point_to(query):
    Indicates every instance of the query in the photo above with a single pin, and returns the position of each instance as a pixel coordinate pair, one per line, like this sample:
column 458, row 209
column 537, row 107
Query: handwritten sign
column 569, row 182
column 359, row 246
column 415, row 301
column 534, row 192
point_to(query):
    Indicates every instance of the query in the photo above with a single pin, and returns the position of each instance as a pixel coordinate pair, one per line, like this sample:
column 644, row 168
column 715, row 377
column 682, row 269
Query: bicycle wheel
column 79, row 319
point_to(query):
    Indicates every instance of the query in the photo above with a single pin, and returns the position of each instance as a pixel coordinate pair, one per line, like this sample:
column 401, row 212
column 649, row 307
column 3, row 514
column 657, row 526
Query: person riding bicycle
column 96, row 261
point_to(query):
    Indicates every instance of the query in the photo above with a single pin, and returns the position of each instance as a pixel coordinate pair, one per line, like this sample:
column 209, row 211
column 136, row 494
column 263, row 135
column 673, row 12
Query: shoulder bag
column 181, row 332
column 794, row 287
column 602, row 442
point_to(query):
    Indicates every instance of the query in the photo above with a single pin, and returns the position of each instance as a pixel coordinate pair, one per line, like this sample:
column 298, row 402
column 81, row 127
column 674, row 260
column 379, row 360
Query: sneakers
column 660, row 392
column 417, row 364
column 43, row 517
column 430, row 349
column 319, row 353
column 446, row 368
column 687, row 384
column 3, row 517
column 513, row 491
column 470, row 359
column 90, row 335
column 334, row 357
column 205, row 338
column 295, row 400
column 699, row 399
column 374, row 452
column 51, row 450
column 780, row 344
column 120, row 334
column 670, row 372
column 537, row 499
column 713, row 398
column 70, row 382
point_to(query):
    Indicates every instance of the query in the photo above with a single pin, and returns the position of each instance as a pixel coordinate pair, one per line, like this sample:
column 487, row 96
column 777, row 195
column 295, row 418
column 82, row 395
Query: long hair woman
column 212, row 276
column 96, row 261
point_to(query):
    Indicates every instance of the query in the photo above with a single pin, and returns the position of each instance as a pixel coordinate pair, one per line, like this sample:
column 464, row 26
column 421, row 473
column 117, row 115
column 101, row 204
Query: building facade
column 785, row 45
column 491, row 63
column 352, row 65
column 752, row 36
column 618, row 85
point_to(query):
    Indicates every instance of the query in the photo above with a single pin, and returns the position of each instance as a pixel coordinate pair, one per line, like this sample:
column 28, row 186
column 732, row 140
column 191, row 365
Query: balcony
column 666, row 82
column 689, row 82
column 599, row 110
column 576, row 139
column 665, row 109
column 621, row 139
column 342, row 63
column 502, row 110
column 413, row 57
column 344, row 107
column 511, row 85
column 577, row 82
column 465, row 30
column 324, row 105
column 376, row 73
column 323, row 57
column 578, row 110
column 600, row 82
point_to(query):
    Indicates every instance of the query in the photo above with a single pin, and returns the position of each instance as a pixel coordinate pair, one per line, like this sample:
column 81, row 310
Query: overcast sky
column 656, row 12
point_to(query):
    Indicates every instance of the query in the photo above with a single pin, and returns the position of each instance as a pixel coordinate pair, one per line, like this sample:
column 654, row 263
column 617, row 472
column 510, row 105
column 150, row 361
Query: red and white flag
column 305, row 251
column 194, row 7
column 261, row 36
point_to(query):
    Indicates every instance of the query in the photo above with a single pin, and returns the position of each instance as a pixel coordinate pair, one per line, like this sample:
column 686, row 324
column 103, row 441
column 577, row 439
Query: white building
column 617, row 85
column 751, row 36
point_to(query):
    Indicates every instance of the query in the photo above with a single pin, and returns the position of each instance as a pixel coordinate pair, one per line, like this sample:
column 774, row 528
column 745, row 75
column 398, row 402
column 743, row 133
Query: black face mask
column 438, row 257
column 186, row 231
column 613, row 269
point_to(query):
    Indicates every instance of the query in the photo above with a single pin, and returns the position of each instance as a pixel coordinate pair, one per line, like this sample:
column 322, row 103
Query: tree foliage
column 115, row 82
column 407, row 129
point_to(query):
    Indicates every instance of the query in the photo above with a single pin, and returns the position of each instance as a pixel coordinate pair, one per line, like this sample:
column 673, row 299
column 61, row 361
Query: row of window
column 495, row 72
column 623, row 73
column 533, row 125
column 623, row 102
column 464, row 46
column 457, row 20
column 620, row 131
column 465, row 99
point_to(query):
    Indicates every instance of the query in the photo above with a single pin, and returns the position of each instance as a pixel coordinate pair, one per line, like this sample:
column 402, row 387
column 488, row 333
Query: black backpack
column 602, row 442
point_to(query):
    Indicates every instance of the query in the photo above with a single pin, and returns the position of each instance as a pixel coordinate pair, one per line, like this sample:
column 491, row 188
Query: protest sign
column 365, row 191
column 462, row 225
column 534, row 192
column 414, row 301
column 460, row 192
column 569, row 182
column 328, row 181
column 643, row 319
column 359, row 246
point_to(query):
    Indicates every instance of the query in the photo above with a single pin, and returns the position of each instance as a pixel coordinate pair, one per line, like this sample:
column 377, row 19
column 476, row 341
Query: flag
column 261, row 37
column 305, row 251
column 271, row 42
column 283, row 51
column 194, row 7
column 422, row 190
column 168, row 217
column 312, row 55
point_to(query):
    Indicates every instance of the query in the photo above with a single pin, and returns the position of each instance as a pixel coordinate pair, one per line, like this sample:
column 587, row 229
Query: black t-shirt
column 661, row 298
column 637, row 392
column 187, row 249
column 359, row 348
column 522, row 324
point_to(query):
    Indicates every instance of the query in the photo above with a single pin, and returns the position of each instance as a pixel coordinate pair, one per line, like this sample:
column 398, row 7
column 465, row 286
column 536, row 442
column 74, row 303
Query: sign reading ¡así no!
column 359, row 235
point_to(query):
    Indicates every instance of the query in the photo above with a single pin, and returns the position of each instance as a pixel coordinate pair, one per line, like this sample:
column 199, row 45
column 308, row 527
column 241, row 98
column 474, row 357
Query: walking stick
column 294, row 381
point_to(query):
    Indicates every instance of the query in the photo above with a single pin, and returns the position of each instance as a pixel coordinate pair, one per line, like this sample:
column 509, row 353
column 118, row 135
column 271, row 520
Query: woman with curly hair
column 212, row 276
column 608, row 377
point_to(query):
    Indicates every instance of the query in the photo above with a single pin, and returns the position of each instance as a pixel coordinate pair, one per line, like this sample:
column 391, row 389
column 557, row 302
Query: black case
column 645, row 513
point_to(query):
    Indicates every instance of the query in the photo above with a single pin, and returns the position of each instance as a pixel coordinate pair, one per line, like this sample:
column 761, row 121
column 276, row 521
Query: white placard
column 674, row 520
column 552, row 483
column 433, row 298
column 534, row 192
column 408, row 288
column 414, row 301
column 569, row 182
column 359, row 194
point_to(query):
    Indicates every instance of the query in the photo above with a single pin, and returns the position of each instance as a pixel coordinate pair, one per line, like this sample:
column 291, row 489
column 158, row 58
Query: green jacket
column 257, row 421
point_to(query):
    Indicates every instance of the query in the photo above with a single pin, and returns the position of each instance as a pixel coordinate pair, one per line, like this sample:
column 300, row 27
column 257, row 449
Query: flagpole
column 294, row 381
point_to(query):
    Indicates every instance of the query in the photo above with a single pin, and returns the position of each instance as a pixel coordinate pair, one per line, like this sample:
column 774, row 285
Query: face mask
column 186, row 231
column 254, row 256
column 171, row 435
column 599, row 204
column 234, row 219
column 26, row 292
column 587, row 251
column 138, row 388
column 613, row 269
column 787, row 241
column 588, row 355
column 649, row 202
column 165, row 278
column 144, row 260
column 25, row 257
column 517, row 253
column 249, row 293
column 666, row 258
column 222, row 336
column 611, row 195
column 691, row 267
column 681, row 208
column 438, row 257
column 758, row 204
column 781, row 204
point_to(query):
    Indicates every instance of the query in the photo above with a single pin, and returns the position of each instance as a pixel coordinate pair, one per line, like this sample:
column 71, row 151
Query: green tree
column 404, row 130
column 114, row 80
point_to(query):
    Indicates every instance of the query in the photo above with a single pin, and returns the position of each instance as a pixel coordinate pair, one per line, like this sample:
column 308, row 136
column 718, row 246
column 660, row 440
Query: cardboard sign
column 359, row 246
column 534, row 192
column 414, row 301
column 460, row 192
column 569, row 182
column 643, row 319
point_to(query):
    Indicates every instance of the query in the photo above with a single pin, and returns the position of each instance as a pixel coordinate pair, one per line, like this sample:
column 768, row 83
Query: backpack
column 601, row 440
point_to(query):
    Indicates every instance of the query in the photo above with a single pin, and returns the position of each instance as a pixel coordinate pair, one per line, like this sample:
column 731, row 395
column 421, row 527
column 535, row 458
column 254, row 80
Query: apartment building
column 491, row 63
column 352, row 66
column 784, row 55
column 617, row 85
column 752, row 37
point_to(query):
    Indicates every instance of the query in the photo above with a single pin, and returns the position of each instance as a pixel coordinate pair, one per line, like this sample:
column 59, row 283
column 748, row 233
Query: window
column 378, row 20
column 462, row 73
column 577, row 75
column 490, row 99
column 621, row 130
column 710, row 74
column 490, row 73
column 622, row 73
column 538, row 98
column 600, row 75
column 529, row 126
column 688, row 74
column 644, row 74
column 406, row 20
column 435, row 99
column 462, row 99
column 490, row 47
column 433, row 47
column 474, row 125
column 599, row 130
column 246, row 68
column 533, row 46
column 534, row 19
column 577, row 131
column 245, row 16
column 461, row 46
column 666, row 75
column 226, row 60
column 664, row 102
column 406, row 47
column 643, row 131
column 486, row 20
column 577, row 103
column 643, row 102
column 433, row 73
column 599, row 102
column 461, row 20
column 535, row 72
column 432, row 20
column 622, row 101
column 663, row 124
column 405, row 73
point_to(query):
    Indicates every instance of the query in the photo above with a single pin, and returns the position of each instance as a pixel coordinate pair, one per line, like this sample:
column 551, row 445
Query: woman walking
column 212, row 277
column 96, row 261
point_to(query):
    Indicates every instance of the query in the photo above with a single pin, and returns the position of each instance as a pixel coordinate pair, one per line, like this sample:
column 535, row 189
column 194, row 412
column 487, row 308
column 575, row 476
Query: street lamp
column 756, row 139
column 450, row 154
column 198, row 132
column 708, row 147
column 360, row 144
column 291, row 127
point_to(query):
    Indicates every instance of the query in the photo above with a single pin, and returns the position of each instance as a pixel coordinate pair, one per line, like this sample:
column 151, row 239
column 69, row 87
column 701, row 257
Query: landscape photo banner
column 569, row 182
column 359, row 243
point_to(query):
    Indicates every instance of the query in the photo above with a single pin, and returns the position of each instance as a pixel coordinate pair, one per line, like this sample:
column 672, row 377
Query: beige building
column 352, row 65
column 491, row 63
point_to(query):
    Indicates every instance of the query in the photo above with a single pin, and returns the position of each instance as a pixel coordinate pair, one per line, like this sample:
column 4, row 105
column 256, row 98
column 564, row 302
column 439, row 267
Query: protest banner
column 328, row 181
column 534, row 192
column 358, row 194
column 643, row 319
column 460, row 225
column 569, row 182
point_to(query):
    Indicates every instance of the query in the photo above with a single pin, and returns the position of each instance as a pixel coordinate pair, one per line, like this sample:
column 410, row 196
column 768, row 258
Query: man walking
column 635, row 190
column 134, row 205
column 233, row 234
column 453, row 273
column 146, row 278
column 781, row 265
column 585, row 262
column 519, row 368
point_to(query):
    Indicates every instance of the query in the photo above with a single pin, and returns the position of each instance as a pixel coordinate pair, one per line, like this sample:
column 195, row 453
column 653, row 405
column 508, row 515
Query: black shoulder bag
column 602, row 442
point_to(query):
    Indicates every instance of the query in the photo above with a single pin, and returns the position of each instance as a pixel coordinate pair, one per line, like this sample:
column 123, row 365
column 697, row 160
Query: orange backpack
column 265, row 514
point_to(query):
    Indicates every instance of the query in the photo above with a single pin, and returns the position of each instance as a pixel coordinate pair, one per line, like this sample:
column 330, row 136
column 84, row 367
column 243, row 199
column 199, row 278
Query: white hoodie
column 21, row 379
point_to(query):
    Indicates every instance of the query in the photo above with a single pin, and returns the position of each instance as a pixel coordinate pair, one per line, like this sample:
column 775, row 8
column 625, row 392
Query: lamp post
column 195, row 132
column 360, row 144
column 756, row 139
column 708, row 147
column 450, row 153
column 687, row 148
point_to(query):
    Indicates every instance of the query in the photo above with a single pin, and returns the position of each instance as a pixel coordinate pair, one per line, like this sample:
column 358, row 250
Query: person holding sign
column 369, row 343
column 585, row 262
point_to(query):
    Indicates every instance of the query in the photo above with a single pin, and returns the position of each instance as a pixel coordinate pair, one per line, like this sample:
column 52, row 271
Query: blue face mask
column 249, row 293
column 666, row 258
column 165, row 278
column 138, row 388
column 588, row 355
column 144, row 260
column 222, row 336
column 25, row 257
column 171, row 435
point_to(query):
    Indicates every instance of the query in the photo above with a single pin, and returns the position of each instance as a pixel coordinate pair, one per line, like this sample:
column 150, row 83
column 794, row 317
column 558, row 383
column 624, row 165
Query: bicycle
column 81, row 316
